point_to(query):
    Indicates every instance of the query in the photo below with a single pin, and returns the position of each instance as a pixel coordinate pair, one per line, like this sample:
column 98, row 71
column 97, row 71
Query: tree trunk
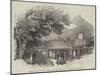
column 17, row 49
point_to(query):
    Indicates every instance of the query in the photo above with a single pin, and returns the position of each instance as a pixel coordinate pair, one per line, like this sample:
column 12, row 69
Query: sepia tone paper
column 48, row 37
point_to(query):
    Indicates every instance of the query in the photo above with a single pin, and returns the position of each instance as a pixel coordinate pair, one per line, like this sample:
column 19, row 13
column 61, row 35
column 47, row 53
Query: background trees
column 86, row 28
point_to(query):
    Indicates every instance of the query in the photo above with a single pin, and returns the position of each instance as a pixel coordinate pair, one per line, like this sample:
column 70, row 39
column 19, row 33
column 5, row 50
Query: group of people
column 63, row 55
column 59, row 55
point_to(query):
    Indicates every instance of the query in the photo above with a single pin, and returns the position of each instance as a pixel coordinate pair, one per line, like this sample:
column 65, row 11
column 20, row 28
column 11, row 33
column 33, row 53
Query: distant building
column 66, row 49
column 79, row 40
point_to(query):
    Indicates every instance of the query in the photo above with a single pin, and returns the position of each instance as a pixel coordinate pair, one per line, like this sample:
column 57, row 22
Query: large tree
column 38, row 22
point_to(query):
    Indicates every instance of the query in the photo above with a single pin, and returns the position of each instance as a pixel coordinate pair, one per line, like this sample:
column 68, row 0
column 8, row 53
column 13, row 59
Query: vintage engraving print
column 48, row 37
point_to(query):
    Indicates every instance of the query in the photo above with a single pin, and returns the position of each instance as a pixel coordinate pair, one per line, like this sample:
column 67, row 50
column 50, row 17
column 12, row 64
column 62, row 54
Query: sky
column 87, row 12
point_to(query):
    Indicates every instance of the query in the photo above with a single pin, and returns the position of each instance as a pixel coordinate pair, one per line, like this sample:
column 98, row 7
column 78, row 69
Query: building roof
column 58, row 44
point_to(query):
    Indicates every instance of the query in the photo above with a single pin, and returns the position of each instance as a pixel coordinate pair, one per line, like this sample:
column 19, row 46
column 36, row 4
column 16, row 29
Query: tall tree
column 38, row 22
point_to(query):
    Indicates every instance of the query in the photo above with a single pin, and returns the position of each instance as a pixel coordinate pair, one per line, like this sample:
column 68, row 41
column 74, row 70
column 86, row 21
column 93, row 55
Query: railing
column 69, row 48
